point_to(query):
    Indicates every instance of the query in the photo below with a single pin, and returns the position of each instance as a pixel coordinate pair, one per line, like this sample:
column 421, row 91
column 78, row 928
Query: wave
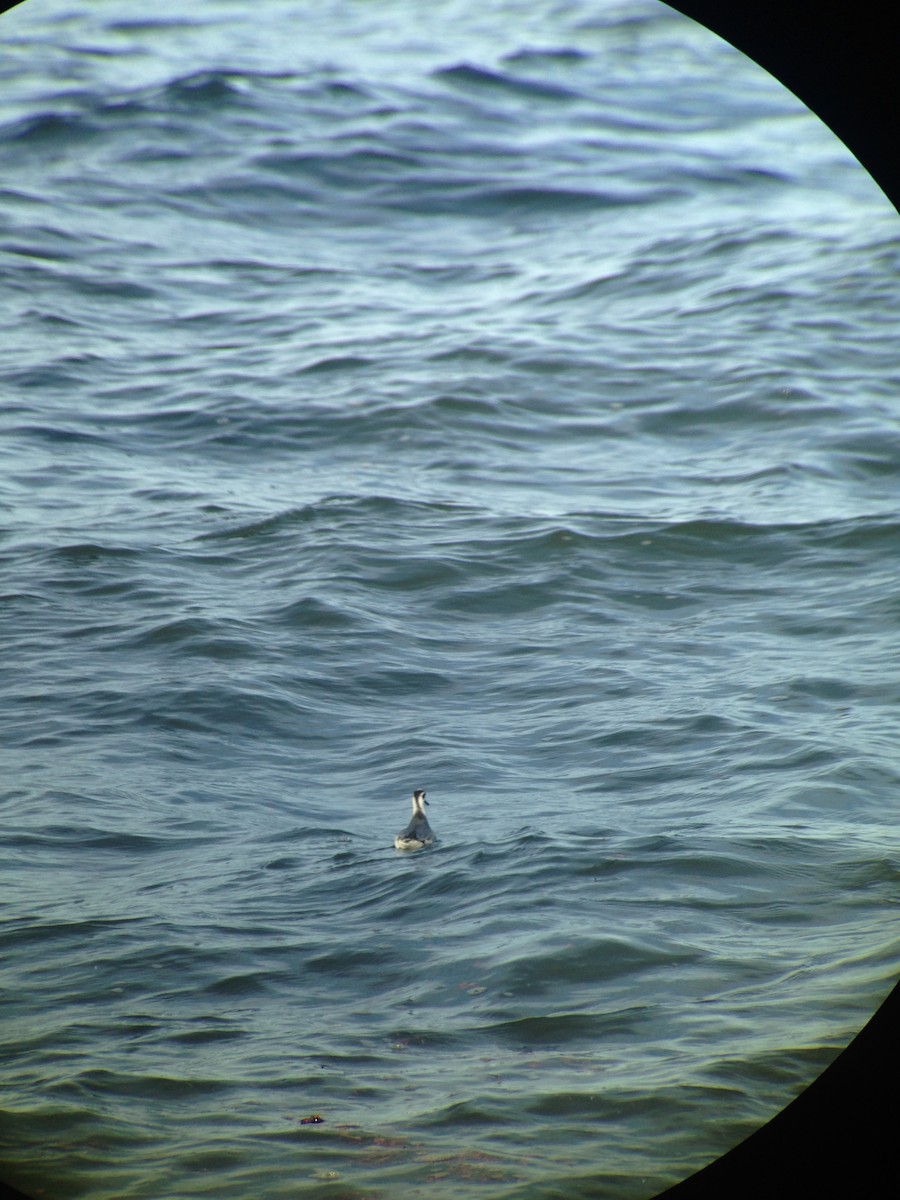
column 467, row 76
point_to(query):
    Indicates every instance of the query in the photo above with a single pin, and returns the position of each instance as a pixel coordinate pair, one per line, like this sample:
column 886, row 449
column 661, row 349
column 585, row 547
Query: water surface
column 496, row 399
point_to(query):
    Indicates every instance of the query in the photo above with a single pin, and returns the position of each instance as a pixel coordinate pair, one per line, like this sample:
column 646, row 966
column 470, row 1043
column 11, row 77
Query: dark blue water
column 493, row 398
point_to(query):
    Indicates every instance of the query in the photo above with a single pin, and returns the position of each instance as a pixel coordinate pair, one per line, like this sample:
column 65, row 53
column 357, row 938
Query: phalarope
column 418, row 832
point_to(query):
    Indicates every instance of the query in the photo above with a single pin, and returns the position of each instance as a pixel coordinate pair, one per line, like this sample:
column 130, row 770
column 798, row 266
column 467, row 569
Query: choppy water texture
column 494, row 398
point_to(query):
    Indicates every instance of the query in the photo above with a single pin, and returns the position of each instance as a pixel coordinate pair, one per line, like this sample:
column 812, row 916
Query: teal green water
column 489, row 399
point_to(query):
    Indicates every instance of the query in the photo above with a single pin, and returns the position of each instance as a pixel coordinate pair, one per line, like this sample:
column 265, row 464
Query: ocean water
column 495, row 398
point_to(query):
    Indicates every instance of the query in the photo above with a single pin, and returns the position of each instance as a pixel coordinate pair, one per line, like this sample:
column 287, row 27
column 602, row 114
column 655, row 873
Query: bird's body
column 418, row 834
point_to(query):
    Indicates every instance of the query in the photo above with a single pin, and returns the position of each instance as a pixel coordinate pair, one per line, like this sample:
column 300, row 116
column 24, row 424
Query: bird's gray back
column 418, row 828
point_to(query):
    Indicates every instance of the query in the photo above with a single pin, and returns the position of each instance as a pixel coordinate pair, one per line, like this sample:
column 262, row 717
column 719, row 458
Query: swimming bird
column 418, row 832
